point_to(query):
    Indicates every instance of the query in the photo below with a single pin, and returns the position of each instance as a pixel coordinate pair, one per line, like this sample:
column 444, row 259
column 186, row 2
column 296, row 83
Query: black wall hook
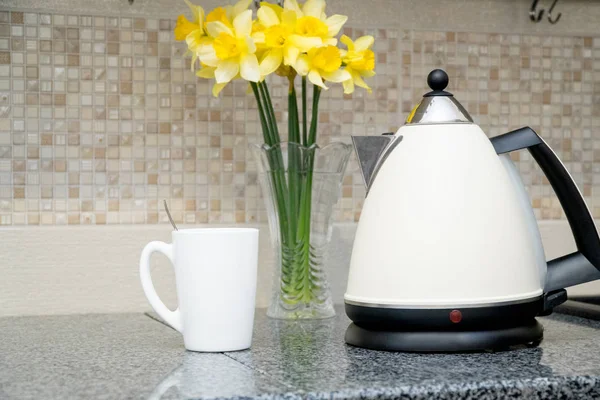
column 550, row 19
column 534, row 14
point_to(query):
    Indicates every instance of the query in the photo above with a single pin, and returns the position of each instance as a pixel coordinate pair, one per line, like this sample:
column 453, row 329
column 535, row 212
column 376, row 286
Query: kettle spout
column 369, row 150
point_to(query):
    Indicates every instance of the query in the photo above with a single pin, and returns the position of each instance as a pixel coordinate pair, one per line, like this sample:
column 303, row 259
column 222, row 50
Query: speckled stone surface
column 128, row 356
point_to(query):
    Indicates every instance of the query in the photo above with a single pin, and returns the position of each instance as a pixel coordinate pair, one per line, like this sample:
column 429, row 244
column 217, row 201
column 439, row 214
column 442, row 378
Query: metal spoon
column 169, row 215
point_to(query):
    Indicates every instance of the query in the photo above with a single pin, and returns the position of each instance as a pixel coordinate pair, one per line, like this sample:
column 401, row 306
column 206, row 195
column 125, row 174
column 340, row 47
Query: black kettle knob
column 437, row 81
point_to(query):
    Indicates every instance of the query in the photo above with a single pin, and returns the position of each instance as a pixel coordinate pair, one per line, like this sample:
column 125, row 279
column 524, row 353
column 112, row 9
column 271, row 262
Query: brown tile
column 112, row 48
column 60, row 99
column 17, row 44
column 547, row 97
column 227, row 154
column 73, row 47
column 73, row 218
column 152, row 37
column 139, row 23
column 16, row 17
column 112, row 100
column 164, row 25
column 112, row 35
column 588, row 42
column 152, row 179
column 4, row 57
column 33, row 153
column 87, row 205
column 100, row 218
column 73, row 60
column 164, row 63
column 45, row 46
column 18, row 192
column 165, row 127
column 59, row 33
column 73, row 33
column 73, row 139
column 126, row 88
column 60, row 165
column 215, row 141
column 59, row 46
column 73, row 192
column 74, row 179
column 99, row 153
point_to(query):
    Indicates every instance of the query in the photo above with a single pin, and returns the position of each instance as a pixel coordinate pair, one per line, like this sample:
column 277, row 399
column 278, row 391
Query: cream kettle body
column 447, row 255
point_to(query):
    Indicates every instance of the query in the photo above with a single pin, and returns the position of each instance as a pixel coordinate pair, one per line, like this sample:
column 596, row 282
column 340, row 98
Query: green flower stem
column 315, row 116
column 304, row 114
column 293, row 196
column 294, row 161
column 275, row 161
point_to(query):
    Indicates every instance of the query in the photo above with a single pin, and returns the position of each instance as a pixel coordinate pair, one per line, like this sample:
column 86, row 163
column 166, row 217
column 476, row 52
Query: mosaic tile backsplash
column 101, row 119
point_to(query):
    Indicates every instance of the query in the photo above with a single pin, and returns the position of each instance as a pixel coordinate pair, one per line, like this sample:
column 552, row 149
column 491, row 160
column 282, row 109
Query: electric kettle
column 447, row 254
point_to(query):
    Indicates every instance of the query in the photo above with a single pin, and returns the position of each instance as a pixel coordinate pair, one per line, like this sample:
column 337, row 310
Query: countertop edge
column 542, row 388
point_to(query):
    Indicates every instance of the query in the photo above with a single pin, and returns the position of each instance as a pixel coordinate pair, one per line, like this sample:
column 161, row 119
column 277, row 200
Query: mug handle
column 173, row 318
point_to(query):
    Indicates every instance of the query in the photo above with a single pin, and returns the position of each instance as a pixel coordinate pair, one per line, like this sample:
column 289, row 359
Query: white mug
column 215, row 275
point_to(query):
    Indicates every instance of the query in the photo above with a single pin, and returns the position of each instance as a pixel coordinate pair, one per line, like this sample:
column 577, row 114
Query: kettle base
column 530, row 333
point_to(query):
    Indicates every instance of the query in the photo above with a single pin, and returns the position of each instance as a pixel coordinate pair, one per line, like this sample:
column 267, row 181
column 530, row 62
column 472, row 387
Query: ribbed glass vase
column 301, row 185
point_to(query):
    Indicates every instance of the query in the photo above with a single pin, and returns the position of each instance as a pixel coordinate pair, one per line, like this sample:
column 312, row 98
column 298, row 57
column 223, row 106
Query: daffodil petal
column 292, row 5
column 207, row 55
column 216, row 27
column 363, row 43
column 335, row 23
column 290, row 55
column 301, row 65
column 206, row 72
column 183, row 28
column 275, row 7
column 194, row 39
column 330, row 42
column 267, row 17
column 226, row 70
column 240, row 7
column 348, row 86
column 258, row 37
column 197, row 11
column 288, row 18
column 305, row 43
column 314, row 8
column 347, row 41
column 315, row 79
column 250, row 69
column 271, row 62
column 337, row 76
column 243, row 24
column 251, row 47
column 217, row 87
column 367, row 74
column 358, row 81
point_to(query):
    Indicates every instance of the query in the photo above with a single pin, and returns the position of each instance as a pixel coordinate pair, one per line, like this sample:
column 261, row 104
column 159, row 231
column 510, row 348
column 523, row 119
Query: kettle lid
column 438, row 106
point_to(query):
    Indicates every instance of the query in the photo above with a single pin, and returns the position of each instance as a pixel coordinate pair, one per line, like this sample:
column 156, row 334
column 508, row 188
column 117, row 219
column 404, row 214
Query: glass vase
column 300, row 185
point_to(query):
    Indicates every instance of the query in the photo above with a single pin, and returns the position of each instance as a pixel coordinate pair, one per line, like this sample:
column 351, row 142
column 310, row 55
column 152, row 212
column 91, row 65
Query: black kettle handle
column 583, row 265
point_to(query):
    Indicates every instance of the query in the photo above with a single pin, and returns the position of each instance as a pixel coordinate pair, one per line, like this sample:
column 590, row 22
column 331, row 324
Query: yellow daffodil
column 183, row 27
column 278, row 25
column 322, row 63
column 359, row 61
column 312, row 25
column 207, row 72
column 232, row 50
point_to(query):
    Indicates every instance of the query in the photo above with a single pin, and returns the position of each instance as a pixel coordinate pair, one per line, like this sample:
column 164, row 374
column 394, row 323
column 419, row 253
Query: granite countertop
column 131, row 356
